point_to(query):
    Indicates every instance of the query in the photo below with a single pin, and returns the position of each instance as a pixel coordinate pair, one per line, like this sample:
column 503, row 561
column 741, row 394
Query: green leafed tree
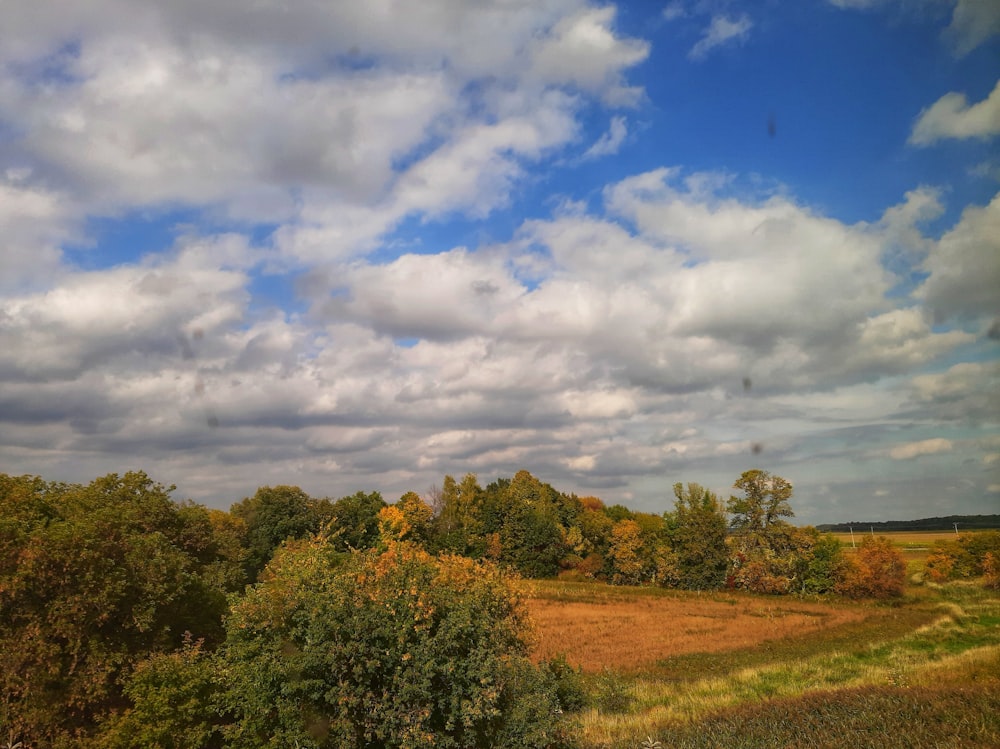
column 391, row 648
column 764, row 505
column 698, row 538
column 272, row 515
column 354, row 525
column 173, row 704
column 458, row 525
column 418, row 516
column 766, row 552
column 93, row 580
column 625, row 553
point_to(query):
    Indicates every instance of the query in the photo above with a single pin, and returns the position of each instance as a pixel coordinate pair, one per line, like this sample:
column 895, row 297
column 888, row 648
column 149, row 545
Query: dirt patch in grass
column 637, row 633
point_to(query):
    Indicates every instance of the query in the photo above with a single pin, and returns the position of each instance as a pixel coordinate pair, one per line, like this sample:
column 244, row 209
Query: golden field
column 629, row 629
column 697, row 670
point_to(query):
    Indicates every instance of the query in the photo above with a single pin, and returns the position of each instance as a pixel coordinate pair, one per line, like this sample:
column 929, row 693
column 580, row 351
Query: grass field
column 915, row 545
column 725, row 669
column 633, row 630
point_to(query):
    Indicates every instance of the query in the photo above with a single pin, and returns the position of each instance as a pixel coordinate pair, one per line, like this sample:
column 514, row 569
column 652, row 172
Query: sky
column 362, row 245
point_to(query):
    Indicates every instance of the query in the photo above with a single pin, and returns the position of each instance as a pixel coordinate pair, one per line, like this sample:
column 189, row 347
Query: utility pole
column 852, row 536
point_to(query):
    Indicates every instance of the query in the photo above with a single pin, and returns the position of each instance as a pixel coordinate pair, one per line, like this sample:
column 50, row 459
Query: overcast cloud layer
column 362, row 245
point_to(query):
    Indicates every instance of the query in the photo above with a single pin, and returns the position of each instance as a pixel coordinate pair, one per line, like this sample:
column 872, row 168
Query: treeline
column 128, row 619
column 964, row 522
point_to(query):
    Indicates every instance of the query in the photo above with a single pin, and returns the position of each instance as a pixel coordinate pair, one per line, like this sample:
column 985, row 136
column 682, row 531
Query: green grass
column 926, row 675
column 863, row 717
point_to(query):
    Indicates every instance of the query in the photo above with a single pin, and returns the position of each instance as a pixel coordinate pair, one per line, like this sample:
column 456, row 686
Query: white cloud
column 972, row 23
column 34, row 223
column 610, row 142
column 964, row 267
column 722, row 30
column 912, row 450
column 763, row 261
column 581, row 49
column 476, row 169
column 335, row 120
column 674, row 10
column 153, row 122
column 951, row 116
column 964, row 392
column 96, row 317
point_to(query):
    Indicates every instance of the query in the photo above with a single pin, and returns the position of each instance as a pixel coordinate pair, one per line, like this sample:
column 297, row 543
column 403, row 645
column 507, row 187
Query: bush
column 173, row 697
column 566, row 683
column 612, row 693
column 963, row 557
column 877, row 570
column 991, row 570
column 93, row 579
column 391, row 648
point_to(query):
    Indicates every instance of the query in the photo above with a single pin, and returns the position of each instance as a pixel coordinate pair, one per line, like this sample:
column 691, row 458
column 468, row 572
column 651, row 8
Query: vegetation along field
column 508, row 616
column 921, row 671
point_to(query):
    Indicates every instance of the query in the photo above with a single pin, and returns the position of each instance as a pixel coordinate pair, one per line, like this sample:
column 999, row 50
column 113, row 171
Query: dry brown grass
column 633, row 633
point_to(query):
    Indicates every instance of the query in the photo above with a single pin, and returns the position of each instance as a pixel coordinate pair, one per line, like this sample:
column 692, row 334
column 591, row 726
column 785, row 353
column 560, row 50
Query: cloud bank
column 246, row 245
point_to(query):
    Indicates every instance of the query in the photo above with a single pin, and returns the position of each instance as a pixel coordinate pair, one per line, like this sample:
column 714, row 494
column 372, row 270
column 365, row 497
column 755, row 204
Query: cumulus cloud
column 963, row 392
column 34, row 223
column 951, row 116
column 963, row 267
column 604, row 346
column 335, row 121
column 92, row 318
column 582, row 49
column 912, row 450
column 610, row 142
column 722, row 30
column 972, row 23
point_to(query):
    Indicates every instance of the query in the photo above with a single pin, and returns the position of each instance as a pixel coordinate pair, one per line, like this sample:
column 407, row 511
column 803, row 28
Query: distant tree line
column 128, row 619
column 964, row 522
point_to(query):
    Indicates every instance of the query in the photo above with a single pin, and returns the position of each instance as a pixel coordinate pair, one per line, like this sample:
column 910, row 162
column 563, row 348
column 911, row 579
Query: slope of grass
column 925, row 674
column 863, row 718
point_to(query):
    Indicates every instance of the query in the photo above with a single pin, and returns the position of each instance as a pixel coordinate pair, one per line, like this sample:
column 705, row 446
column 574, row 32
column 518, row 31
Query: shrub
column 962, row 557
column 566, row 683
column 612, row 693
column 877, row 570
column 758, row 575
column 173, row 697
column 991, row 570
column 821, row 565
column 93, row 579
column 391, row 648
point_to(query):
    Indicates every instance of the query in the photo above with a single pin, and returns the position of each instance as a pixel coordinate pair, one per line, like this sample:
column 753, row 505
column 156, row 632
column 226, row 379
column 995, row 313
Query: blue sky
column 364, row 245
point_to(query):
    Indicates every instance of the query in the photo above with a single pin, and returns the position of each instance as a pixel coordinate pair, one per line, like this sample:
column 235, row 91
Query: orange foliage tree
column 877, row 570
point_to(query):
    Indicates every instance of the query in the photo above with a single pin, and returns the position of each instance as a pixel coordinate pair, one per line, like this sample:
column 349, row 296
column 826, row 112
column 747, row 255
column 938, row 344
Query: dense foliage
column 127, row 618
column 92, row 580
column 390, row 648
column 967, row 555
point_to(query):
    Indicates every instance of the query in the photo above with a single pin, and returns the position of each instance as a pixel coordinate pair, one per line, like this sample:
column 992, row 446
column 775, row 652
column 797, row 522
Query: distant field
column 902, row 538
column 729, row 669
column 634, row 629
column 915, row 545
